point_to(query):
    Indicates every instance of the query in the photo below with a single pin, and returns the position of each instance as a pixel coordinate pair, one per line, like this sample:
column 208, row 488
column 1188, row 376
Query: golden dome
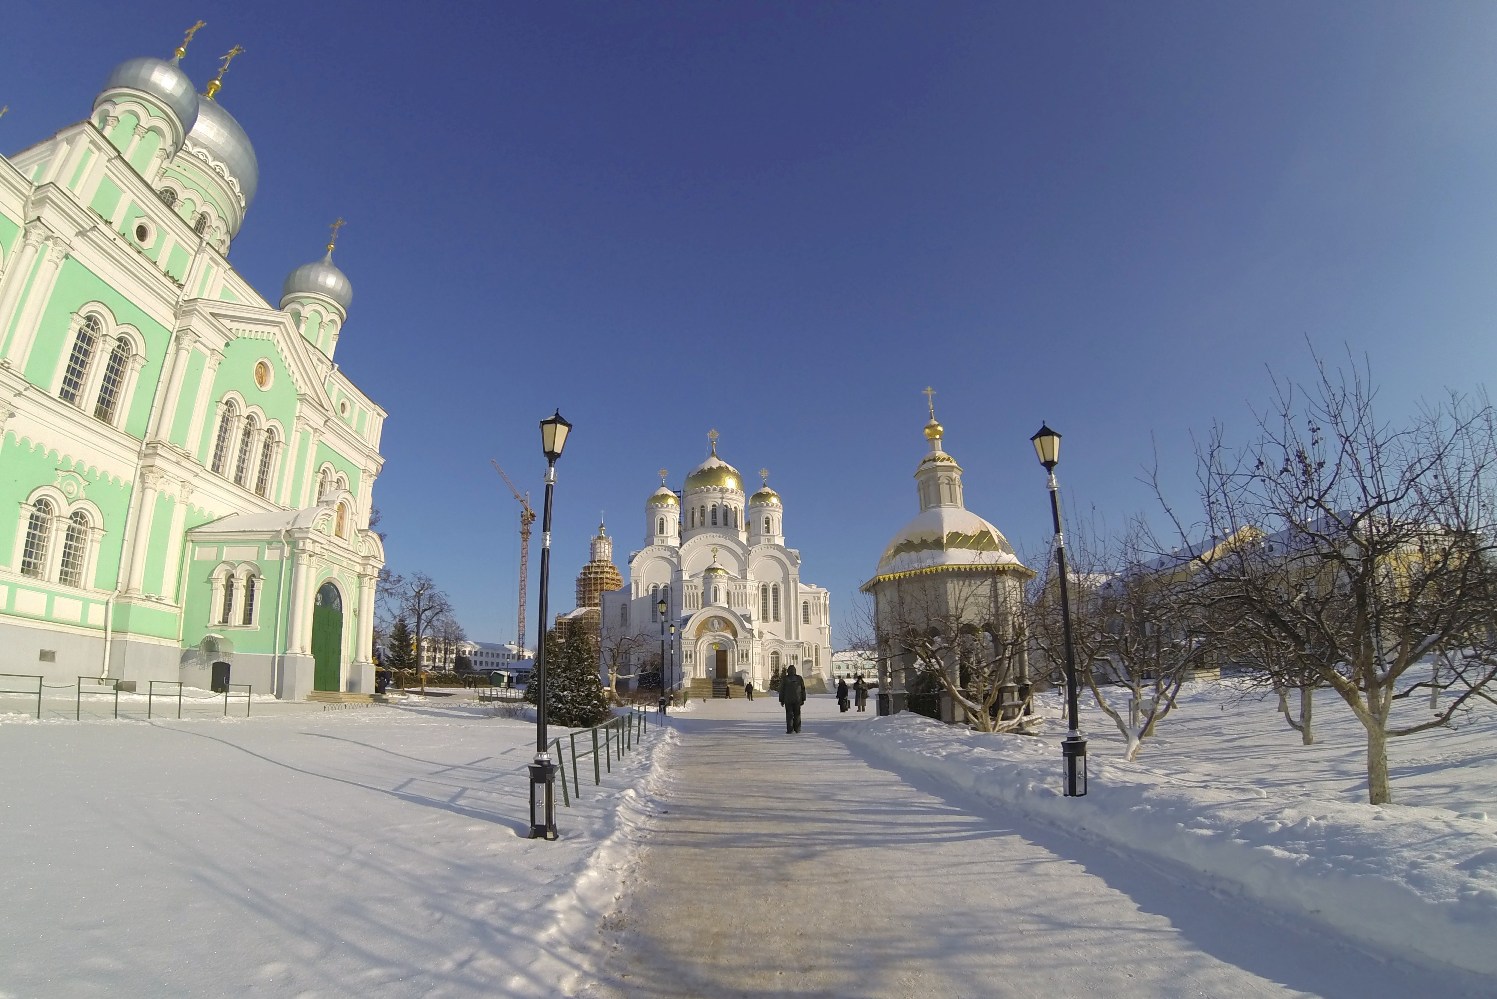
column 714, row 473
column 765, row 497
column 934, row 431
column 663, row 497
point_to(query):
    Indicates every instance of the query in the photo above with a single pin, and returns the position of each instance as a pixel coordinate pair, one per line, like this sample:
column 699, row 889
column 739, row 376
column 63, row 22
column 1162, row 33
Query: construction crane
column 527, row 517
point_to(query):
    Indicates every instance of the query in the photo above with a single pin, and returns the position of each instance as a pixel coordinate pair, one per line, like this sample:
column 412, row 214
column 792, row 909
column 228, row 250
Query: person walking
column 860, row 692
column 748, row 688
column 792, row 696
column 842, row 693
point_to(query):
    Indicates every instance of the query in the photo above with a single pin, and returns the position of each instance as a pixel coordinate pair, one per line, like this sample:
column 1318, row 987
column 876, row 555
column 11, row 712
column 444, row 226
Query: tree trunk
column 1378, row 790
column 1307, row 716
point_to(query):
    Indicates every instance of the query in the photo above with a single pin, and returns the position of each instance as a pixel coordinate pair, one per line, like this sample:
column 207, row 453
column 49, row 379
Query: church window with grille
column 659, row 525
column 248, row 616
column 38, row 531
column 78, row 360
column 763, row 602
column 774, row 597
column 805, row 612
column 201, row 225
column 114, row 381
column 766, row 526
column 714, row 515
column 74, row 548
column 267, row 459
column 246, row 448
column 226, row 424
column 227, row 613
column 168, row 197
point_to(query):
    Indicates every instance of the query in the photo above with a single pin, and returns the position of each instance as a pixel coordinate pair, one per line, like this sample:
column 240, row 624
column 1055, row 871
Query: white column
column 28, row 312
column 175, row 541
column 139, row 533
column 200, row 405
column 296, row 632
column 182, row 344
column 366, row 620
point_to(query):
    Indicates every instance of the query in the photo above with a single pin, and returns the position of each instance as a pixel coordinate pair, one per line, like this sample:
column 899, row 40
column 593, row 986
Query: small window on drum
column 168, row 197
column 201, row 225
column 145, row 233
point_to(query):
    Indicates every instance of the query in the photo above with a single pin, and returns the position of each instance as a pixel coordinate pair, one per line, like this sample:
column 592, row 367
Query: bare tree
column 620, row 655
column 961, row 634
column 422, row 604
column 1375, row 555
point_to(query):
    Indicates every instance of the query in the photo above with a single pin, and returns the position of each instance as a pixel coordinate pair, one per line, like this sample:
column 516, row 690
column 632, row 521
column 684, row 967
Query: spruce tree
column 574, row 691
column 399, row 653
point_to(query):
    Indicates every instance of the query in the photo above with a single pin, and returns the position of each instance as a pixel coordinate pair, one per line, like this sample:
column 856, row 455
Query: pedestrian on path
column 748, row 688
column 792, row 696
column 860, row 692
column 841, row 693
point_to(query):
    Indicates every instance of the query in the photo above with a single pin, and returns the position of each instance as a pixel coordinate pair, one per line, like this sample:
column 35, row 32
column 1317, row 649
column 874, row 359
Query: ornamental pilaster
column 200, row 405
column 56, row 251
column 161, row 421
column 14, row 280
column 139, row 532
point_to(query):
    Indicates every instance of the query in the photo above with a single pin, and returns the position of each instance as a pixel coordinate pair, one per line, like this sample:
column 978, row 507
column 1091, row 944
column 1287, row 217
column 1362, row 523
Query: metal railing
column 151, row 694
column 249, row 692
column 97, row 686
column 616, row 736
column 7, row 688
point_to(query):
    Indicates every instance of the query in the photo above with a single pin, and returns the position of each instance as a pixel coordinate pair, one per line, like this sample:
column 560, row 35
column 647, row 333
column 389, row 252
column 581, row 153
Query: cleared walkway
column 778, row 865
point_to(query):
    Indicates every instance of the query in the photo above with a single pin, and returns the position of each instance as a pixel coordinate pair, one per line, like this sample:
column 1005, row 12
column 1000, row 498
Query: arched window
column 805, row 612
column 324, row 483
column 83, row 352
column 714, row 515
column 250, row 587
column 766, row 526
column 654, row 599
column 774, row 661
column 774, row 597
column 74, row 548
column 201, row 225
column 246, row 448
column 168, row 197
column 114, row 381
column 226, row 424
column 267, row 459
column 227, row 613
column 38, row 531
column 763, row 602
column 659, row 525
column 703, row 517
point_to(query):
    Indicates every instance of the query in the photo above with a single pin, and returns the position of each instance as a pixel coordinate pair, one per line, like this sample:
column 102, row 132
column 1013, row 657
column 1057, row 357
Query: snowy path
column 780, row 865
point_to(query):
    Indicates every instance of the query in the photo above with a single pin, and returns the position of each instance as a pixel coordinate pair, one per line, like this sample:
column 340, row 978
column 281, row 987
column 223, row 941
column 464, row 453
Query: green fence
column 614, row 739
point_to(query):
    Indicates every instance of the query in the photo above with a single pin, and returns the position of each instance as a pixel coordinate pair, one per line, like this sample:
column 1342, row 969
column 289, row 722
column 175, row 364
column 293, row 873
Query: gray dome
column 218, row 132
column 161, row 80
column 321, row 277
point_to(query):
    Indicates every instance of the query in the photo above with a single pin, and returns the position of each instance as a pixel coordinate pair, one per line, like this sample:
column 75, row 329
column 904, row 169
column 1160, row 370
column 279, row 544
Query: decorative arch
column 57, row 539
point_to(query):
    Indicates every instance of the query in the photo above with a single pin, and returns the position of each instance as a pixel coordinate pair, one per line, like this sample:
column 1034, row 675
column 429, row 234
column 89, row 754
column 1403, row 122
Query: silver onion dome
column 223, row 138
column 162, row 80
column 321, row 277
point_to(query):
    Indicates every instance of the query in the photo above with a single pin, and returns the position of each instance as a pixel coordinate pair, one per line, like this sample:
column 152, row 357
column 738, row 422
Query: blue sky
column 785, row 220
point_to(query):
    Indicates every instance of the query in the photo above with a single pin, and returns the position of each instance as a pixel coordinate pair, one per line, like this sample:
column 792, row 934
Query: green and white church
column 185, row 475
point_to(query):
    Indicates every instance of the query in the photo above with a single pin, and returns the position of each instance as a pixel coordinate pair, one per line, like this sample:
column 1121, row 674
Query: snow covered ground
column 382, row 850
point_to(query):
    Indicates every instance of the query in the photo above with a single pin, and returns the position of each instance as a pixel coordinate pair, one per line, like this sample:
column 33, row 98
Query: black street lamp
column 672, row 628
column 543, row 771
column 1047, row 445
column 661, row 606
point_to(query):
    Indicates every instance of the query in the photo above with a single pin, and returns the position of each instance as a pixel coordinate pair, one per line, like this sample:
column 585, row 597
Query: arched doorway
column 327, row 638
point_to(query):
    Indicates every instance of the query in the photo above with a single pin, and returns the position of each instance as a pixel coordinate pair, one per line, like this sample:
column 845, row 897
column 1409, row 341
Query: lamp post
column 660, row 607
column 1047, row 445
column 554, row 432
column 672, row 628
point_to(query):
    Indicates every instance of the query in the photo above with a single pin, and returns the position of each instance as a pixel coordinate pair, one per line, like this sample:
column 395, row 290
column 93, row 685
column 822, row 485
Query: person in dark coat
column 860, row 692
column 792, row 696
column 842, row 693
column 748, row 688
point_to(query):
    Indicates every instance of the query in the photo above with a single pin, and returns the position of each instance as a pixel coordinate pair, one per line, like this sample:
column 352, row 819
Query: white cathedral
column 737, row 610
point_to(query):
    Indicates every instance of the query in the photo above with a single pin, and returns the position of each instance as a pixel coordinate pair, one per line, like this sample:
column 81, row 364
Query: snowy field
column 381, row 851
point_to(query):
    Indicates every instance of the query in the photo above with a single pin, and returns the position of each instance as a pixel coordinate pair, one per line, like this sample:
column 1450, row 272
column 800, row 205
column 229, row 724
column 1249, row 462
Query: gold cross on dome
column 3, row 110
column 215, row 84
column 182, row 49
column 712, row 439
column 338, row 223
column 662, row 476
column 930, row 400
column 764, row 474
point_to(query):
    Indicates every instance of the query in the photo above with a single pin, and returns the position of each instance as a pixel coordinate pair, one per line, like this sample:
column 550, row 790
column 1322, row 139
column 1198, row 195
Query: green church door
column 327, row 639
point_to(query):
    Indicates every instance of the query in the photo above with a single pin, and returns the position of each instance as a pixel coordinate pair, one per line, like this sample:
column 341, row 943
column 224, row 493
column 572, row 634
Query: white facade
column 732, row 587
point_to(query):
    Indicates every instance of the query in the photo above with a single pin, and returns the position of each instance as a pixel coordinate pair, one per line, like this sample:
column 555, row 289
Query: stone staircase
column 341, row 698
column 703, row 688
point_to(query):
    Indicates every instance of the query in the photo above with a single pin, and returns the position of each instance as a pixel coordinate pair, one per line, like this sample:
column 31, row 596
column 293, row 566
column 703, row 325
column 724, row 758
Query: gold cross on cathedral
column 3, row 110
column 216, row 84
column 332, row 241
column 930, row 400
column 662, row 476
column 764, row 474
column 187, row 38
column 712, row 439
